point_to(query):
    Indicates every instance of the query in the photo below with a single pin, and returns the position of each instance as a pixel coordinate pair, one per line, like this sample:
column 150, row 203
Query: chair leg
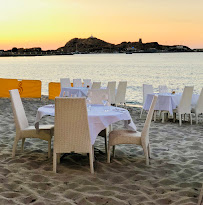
column 105, row 138
column 141, row 113
column 109, row 154
column 149, row 150
column 190, row 118
column 14, row 147
column 146, row 154
column 54, row 162
column 114, row 150
column 174, row 117
column 22, row 145
column 155, row 116
column 49, row 148
column 200, row 196
column 58, row 156
column 91, row 162
column 162, row 117
column 196, row 117
column 180, row 119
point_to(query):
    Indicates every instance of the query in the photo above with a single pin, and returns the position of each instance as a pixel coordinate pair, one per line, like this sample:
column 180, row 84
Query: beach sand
column 175, row 174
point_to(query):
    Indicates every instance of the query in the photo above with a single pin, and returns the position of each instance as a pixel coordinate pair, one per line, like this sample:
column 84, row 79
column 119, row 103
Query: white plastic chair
column 163, row 89
column 23, row 130
column 65, row 82
column 198, row 109
column 71, row 132
column 96, row 85
column 87, row 82
column 133, row 137
column 112, row 89
column 121, row 92
column 184, row 106
column 146, row 89
column 77, row 83
column 96, row 96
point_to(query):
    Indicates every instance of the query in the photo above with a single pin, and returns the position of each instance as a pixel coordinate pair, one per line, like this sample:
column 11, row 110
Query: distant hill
column 87, row 45
column 95, row 45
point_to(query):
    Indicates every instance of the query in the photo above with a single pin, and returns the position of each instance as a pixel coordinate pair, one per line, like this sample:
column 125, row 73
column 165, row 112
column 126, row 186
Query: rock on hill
column 87, row 45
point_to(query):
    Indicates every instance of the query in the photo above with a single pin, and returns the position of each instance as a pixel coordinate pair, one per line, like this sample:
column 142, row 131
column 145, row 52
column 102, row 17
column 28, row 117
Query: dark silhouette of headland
column 95, row 45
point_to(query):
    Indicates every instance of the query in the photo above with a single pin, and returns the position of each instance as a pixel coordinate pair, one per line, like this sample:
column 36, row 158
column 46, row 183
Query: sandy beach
column 175, row 174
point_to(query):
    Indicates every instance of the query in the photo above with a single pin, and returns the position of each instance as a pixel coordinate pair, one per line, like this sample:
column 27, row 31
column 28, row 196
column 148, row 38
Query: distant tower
column 140, row 41
column 91, row 36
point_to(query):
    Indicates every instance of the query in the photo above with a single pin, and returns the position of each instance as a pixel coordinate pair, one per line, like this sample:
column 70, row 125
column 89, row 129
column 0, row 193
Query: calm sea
column 172, row 69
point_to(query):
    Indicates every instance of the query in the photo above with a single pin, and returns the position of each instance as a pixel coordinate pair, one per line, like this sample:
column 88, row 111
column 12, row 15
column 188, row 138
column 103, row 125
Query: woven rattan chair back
column 71, row 132
column 186, row 99
column 112, row 90
column 77, row 83
column 121, row 92
column 97, row 96
column 96, row 85
column 145, row 130
column 20, row 118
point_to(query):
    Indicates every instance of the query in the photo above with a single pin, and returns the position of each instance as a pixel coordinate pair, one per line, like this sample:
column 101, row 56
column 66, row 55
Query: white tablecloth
column 167, row 101
column 71, row 91
column 97, row 117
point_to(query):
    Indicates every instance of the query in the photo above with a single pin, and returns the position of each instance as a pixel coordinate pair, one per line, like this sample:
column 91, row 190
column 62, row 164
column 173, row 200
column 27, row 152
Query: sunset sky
column 49, row 24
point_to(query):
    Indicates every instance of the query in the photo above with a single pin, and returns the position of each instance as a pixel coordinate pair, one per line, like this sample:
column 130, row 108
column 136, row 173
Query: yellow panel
column 26, row 88
column 6, row 85
column 30, row 88
column 54, row 90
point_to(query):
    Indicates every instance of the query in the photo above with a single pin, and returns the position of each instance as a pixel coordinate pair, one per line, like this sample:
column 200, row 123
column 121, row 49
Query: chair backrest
column 96, row 85
column 147, row 89
column 65, row 82
column 77, row 83
column 121, row 92
column 87, row 82
column 163, row 89
column 145, row 130
column 71, row 129
column 112, row 90
column 20, row 118
column 96, row 96
column 186, row 99
column 199, row 106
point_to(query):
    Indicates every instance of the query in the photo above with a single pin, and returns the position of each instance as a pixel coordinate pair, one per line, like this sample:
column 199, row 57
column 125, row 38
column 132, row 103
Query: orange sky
column 51, row 23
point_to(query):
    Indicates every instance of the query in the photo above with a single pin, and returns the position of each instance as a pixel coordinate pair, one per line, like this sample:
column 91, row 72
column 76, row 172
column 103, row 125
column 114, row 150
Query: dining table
column 167, row 101
column 99, row 117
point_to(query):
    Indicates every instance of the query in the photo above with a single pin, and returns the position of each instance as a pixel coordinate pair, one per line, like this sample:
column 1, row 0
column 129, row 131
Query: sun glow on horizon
column 49, row 24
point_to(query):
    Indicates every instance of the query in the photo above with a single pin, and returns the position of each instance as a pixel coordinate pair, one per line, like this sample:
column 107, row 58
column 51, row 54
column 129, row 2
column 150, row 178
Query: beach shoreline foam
column 174, row 176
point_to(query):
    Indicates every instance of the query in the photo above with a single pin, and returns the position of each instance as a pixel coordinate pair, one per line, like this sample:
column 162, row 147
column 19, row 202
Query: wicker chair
column 71, row 132
column 65, row 82
column 97, row 96
column 77, row 83
column 112, row 89
column 121, row 92
column 23, row 130
column 146, row 89
column 133, row 137
column 198, row 109
column 184, row 106
column 96, row 85
column 87, row 82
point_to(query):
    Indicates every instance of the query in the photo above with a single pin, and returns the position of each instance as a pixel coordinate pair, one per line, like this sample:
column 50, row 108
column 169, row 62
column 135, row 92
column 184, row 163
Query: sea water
column 175, row 70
